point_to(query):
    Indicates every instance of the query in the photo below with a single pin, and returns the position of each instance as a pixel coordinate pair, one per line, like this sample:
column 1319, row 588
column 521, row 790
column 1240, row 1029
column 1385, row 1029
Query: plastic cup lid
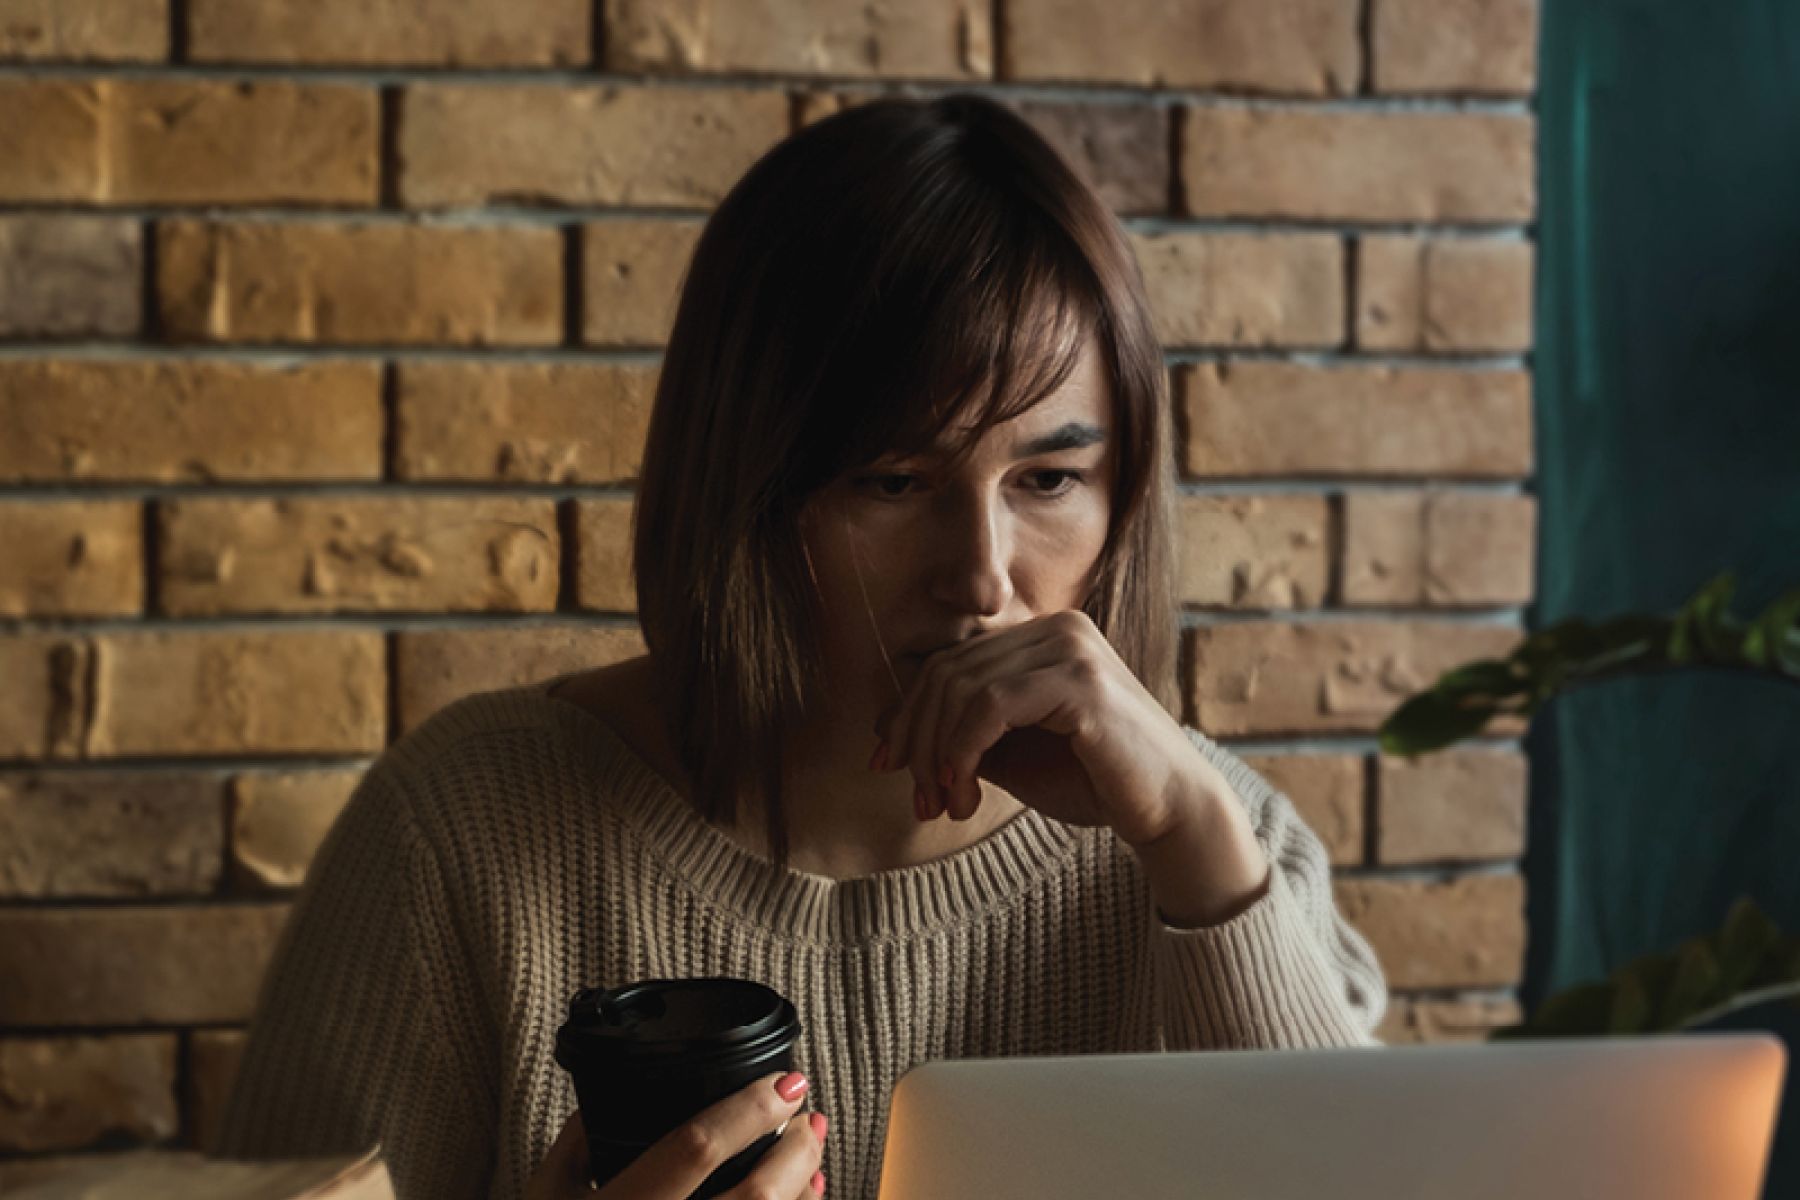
column 663, row 1018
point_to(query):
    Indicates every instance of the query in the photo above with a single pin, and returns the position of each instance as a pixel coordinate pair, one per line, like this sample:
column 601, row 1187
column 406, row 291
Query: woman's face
column 929, row 556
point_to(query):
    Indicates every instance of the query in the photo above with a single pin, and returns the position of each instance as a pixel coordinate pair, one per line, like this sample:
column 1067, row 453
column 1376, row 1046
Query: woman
column 902, row 550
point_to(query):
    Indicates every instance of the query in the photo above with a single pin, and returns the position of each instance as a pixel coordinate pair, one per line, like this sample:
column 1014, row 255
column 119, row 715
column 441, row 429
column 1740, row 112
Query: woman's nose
column 972, row 571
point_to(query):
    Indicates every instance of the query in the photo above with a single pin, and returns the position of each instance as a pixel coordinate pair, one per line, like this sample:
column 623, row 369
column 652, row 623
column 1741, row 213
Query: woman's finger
column 677, row 1163
column 915, row 726
column 788, row 1166
column 958, row 745
column 564, row 1171
column 909, row 721
column 1011, row 701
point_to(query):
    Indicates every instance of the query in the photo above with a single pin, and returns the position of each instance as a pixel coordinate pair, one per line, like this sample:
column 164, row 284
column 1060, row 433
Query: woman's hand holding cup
column 677, row 1164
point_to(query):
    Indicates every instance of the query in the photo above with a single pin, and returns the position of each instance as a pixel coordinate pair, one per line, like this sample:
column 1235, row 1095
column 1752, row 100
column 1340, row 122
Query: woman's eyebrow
column 1072, row 436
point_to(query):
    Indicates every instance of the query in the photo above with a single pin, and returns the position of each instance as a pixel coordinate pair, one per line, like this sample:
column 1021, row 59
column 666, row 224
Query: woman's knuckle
column 990, row 695
column 697, row 1142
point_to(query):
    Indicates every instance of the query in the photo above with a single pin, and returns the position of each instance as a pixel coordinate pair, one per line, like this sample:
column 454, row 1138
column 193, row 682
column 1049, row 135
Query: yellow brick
column 631, row 279
column 1244, row 289
column 1247, row 419
column 1438, row 547
column 71, row 558
column 1299, row 47
column 1267, row 678
column 228, row 692
column 168, row 965
column 444, row 33
column 473, row 144
column 86, row 834
column 358, row 554
column 603, row 555
column 279, row 819
column 1443, row 294
column 438, row 666
column 1486, row 47
column 85, row 30
column 70, row 276
column 1467, row 932
column 523, row 422
column 924, row 39
column 1327, row 792
column 64, row 1093
column 1320, row 164
column 166, row 141
column 1461, row 805
column 368, row 284
column 182, row 422
column 1266, row 552
column 44, row 701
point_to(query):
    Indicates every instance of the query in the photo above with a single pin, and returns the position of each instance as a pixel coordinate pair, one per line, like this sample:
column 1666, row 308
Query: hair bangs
column 983, row 327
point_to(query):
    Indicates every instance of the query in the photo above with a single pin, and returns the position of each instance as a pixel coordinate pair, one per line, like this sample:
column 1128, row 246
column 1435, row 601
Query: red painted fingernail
column 919, row 804
column 819, row 1182
column 820, row 1125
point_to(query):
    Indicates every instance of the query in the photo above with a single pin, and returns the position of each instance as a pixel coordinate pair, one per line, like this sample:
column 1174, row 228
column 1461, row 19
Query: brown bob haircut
column 888, row 274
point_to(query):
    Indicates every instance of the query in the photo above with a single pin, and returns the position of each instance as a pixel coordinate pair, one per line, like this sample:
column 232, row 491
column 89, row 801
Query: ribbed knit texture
column 514, row 849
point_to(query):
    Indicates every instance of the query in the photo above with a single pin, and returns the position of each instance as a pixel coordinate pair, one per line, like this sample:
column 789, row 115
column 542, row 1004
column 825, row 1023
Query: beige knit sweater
column 514, row 849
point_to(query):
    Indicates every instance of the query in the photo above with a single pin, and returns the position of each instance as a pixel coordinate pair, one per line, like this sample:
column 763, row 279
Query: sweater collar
column 957, row 888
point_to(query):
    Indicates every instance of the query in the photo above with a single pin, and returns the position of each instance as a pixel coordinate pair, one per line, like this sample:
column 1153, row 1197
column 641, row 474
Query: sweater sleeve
column 362, row 1031
column 1287, row 972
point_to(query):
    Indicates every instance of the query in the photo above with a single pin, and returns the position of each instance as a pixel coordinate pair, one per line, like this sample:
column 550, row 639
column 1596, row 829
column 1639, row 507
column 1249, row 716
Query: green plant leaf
column 1780, row 964
column 1538, row 649
column 1633, row 627
column 1766, row 643
column 1694, row 987
column 1490, row 676
column 1575, row 652
column 1666, row 991
column 1630, row 1012
column 1747, row 937
column 1430, row 721
column 1703, row 625
column 1574, row 1012
column 1570, row 639
column 1654, row 972
column 1623, row 642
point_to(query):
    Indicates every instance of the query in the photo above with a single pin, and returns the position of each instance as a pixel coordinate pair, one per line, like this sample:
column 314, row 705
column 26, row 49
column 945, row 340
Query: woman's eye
column 1060, row 482
column 884, row 485
column 1048, row 484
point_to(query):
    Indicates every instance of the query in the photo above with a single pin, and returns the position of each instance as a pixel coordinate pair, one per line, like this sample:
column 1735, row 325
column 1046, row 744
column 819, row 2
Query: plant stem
column 1774, row 991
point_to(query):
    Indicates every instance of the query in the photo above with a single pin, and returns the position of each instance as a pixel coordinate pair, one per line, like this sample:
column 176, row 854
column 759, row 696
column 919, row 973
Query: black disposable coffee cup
column 647, row 1056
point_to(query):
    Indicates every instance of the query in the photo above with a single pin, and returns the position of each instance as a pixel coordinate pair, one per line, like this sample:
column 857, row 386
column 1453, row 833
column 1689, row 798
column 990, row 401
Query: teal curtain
column 1668, row 406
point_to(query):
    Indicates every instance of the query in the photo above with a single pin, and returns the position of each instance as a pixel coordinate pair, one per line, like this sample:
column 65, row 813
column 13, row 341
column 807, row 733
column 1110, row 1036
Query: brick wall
column 329, row 334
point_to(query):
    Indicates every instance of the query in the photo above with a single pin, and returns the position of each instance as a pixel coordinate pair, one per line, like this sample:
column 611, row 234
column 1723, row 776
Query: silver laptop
column 1677, row 1117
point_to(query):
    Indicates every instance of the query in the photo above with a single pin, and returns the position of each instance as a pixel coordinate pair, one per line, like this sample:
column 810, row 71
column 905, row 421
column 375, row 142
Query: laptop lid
column 1650, row 1118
